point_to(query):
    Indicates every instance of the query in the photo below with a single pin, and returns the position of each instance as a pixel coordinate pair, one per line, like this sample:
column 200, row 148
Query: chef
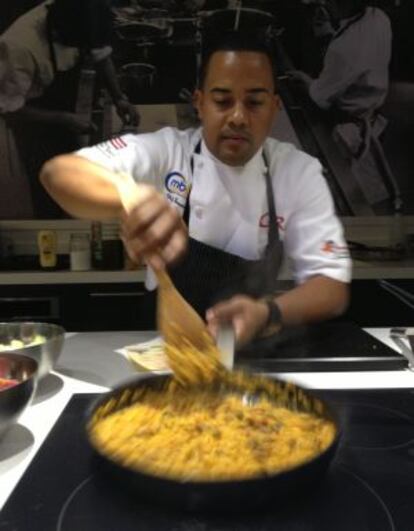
column 218, row 204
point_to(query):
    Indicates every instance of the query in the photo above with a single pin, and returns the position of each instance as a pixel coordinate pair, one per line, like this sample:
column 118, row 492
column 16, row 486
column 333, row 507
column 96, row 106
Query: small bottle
column 47, row 245
column 80, row 251
column 96, row 245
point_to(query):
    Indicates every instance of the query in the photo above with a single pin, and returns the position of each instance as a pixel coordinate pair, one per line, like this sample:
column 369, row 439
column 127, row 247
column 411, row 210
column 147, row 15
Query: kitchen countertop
column 370, row 270
column 88, row 364
column 70, row 277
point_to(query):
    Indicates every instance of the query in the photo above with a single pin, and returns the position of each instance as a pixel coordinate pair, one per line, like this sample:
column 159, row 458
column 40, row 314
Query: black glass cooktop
column 328, row 346
column 369, row 486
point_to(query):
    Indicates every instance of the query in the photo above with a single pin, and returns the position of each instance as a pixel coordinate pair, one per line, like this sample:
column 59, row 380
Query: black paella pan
column 222, row 495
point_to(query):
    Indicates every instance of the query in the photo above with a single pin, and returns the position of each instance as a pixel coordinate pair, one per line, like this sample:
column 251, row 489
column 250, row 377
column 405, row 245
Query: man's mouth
column 236, row 138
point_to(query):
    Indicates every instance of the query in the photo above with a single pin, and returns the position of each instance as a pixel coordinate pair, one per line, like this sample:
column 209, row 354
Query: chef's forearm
column 81, row 188
column 317, row 299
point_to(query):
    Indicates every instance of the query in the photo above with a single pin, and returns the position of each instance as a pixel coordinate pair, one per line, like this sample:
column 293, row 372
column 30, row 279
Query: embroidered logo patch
column 331, row 248
column 110, row 147
column 264, row 221
column 176, row 188
column 118, row 142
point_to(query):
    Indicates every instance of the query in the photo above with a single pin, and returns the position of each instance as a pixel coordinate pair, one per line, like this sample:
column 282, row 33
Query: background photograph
column 71, row 77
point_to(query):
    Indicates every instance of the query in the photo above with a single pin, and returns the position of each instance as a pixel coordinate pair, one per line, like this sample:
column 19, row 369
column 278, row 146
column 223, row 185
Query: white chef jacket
column 355, row 73
column 228, row 205
column 26, row 67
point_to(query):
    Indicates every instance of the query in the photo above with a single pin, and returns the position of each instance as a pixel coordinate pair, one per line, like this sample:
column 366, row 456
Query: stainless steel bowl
column 13, row 400
column 45, row 353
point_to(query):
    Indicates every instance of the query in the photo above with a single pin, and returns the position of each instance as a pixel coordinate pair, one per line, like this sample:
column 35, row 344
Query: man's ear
column 197, row 101
column 277, row 102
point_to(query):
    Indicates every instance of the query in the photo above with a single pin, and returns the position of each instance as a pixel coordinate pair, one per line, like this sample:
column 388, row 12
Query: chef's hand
column 152, row 229
column 248, row 317
column 127, row 112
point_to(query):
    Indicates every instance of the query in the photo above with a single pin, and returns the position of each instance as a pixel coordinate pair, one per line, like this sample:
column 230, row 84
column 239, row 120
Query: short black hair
column 235, row 41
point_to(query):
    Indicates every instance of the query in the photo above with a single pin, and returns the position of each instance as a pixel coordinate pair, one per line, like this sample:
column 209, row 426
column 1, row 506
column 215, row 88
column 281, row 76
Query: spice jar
column 47, row 245
column 80, row 251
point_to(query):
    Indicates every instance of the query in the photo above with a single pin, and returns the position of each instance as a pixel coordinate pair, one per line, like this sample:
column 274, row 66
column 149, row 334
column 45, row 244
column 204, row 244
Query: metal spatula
column 226, row 345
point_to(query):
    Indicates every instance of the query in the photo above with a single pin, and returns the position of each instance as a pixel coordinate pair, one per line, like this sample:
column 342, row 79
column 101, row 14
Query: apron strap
column 273, row 237
column 186, row 213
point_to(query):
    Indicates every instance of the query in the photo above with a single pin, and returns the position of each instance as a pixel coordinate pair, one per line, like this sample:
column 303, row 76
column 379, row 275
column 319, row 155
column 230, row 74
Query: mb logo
column 175, row 183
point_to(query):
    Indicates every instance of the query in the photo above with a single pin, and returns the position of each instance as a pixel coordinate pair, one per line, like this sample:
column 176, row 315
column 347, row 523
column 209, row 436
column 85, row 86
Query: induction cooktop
column 329, row 346
column 369, row 486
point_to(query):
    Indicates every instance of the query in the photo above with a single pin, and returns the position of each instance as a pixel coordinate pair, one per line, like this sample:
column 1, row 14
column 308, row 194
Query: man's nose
column 238, row 115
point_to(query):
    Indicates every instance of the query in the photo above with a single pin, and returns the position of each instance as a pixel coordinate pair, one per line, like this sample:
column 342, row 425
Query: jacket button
column 198, row 212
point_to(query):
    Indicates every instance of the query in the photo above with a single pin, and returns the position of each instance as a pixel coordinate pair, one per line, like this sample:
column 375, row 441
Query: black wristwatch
column 274, row 319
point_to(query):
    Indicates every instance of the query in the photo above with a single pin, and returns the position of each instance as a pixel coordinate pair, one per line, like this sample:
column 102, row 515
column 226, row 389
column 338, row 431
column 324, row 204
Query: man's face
column 237, row 105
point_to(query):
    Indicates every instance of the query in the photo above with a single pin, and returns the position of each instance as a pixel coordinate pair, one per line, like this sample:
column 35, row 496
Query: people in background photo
column 43, row 56
column 222, row 204
column 352, row 86
column 355, row 75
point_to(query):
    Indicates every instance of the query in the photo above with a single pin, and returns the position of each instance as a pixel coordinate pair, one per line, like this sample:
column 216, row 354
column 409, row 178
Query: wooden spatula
column 191, row 350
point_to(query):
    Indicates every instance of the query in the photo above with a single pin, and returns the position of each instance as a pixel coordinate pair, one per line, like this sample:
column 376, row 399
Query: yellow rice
column 191, row 434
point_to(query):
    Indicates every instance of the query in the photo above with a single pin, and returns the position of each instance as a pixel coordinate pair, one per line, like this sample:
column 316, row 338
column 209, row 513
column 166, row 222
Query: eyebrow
column 219, row 90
